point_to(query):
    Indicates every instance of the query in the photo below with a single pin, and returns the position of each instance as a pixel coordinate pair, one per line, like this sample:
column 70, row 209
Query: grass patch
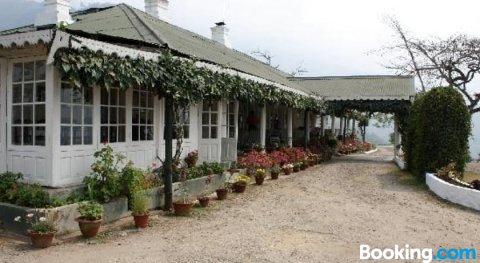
column 407, row 179
column 470, row 176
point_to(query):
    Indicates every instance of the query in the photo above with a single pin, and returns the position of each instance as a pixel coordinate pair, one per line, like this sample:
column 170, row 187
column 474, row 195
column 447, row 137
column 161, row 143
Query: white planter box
column 453, row 193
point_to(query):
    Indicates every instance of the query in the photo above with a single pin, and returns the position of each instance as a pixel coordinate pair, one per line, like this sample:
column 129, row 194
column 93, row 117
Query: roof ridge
column 352, row 77
column 130, row 13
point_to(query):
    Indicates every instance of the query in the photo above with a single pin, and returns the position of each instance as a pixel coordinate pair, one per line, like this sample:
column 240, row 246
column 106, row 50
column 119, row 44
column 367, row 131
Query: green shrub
column 139, row 203
column 438, row 131
column 103, row 184
column 215, row 167
column 132, row 179
column 32, row 195
column 194, row 172
column 8, row 182
column 90, row 210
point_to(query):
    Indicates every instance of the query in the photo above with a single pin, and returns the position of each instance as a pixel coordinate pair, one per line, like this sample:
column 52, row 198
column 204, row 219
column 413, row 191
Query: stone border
column 453, row 193
column 400, row 163
column 372, row 151
column 64, row 216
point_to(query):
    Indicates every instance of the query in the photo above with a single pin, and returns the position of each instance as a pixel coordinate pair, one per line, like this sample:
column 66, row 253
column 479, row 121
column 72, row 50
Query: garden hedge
column 438, row 130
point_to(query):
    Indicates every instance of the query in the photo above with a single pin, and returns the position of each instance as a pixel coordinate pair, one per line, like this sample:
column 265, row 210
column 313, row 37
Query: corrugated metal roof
column 126, row 22
column 360, row 87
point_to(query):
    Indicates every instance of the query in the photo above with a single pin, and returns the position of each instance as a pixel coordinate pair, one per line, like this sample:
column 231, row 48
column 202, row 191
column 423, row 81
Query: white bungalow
column 52, row 130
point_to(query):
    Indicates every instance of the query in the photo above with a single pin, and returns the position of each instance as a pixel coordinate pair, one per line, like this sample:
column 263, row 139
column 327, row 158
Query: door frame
column 3, row 114
column 217, row 141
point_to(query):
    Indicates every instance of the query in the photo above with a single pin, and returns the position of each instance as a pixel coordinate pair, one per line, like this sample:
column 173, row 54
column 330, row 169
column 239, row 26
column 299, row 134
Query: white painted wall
column 3, row 112
column 455, row 194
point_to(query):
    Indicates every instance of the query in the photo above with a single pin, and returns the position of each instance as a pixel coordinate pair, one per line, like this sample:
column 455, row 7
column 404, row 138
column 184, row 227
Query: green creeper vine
column 170, row 76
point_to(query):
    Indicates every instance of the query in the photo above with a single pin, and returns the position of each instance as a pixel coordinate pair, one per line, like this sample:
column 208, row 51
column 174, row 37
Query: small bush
column 32, row 195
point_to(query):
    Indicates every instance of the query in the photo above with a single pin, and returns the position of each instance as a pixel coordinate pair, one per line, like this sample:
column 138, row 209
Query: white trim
column 400, row 163
column 22, row 39
column 326, row 98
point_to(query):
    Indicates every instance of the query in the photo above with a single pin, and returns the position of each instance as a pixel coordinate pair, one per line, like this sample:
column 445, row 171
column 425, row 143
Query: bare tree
column 453, row 61
column 266, row 56
column 299, row 71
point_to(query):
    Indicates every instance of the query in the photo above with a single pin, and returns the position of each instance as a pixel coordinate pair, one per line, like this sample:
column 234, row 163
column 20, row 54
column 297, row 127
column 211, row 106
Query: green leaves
column 171, row 76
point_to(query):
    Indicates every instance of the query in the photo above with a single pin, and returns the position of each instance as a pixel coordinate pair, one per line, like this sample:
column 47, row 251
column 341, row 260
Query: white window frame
column 139, row 107
column 10, row 104
column 117, row 107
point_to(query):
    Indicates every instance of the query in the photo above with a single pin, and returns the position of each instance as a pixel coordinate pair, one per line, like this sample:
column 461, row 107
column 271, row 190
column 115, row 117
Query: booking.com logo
column 427, row 255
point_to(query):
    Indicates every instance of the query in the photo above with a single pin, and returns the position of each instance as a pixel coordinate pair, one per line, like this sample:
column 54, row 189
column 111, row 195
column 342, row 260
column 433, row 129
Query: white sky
column 330, row 37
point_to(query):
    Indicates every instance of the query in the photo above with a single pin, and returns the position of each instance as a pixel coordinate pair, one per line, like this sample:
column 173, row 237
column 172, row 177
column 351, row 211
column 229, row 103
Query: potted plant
column 233, row 168
column 223, row 192
column 275, row 171
column 184, row 205
column 260, row 174
column 304, row 164
column 297, row 166
column 41, row 230
column 91, row 217
column 241, row 182
column 139, row 205
column 191, row 159
column 287, row 168
column 204, row 199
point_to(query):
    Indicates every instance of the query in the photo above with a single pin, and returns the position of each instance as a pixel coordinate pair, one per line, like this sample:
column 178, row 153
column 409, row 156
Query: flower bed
column 353, row 146
column 456, row 194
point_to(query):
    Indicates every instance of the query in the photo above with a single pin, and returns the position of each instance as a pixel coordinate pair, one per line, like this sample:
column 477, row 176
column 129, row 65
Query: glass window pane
column 214, row 106
column 205, row 118
column 87, row 114
column 104, row 99
column 104, row 134
column 231, row 107
column 135, row 99
column 40, row 92
column 40, row 113
column 135, row 136
column 17, row 93
column 66, row 93
column 150, row 133
column 40, row 136
column 135, row 116
column 143, row 116
column 122, row 115
column 143, row 133
column 121, row 98
column 40, row 70
column 28, row 71
column 87, row 135
column 121, row 133
column 65, row 135
column 17, row 135
column 77, row 95
column 213, row 133
column 27, row 114
column 28, row 92
column 150, row 100
column 27, row 135
column 113, row 96
column 88, row 95
column 17, row 114
column 186, row 131
column 231, row 120
column 66, row 114
column 113, row 115
column 77, row 114
column 231, row 133
column 77, row 135
column 214, row 117
column 206, row 106
column 113, row 134
column 104, row 115
column 17, row 72
column 205, row 132
column 150, row 117
column 143, row 99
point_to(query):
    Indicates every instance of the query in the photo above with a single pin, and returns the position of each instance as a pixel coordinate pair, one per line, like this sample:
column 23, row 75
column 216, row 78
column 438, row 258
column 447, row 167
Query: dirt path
column 321, row 215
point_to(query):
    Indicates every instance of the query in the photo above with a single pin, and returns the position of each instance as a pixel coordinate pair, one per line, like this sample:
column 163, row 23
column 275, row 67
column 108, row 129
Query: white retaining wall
column 453, row 193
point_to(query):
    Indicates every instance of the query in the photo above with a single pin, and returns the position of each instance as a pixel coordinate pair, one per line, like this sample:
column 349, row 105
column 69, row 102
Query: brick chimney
column 220, row 34
column 54, row 12
column 157, row 8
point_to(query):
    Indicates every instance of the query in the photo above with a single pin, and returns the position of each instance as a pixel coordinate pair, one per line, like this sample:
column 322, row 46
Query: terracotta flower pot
column 296, row 169
column 259, row 180
column 239, row 188
column 303, row 167
column 89, row 228
column 182, row 208
column 222, row 194
column 141, row 221
column 287, row 171
column 41, row 240
column 274, row 175
column 204, row 201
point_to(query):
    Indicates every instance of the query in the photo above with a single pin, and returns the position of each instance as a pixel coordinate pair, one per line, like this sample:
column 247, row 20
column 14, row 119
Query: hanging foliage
column 171, row 76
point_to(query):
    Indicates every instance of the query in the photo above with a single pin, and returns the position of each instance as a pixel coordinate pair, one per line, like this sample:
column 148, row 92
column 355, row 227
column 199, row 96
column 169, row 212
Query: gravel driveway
column 320, row 215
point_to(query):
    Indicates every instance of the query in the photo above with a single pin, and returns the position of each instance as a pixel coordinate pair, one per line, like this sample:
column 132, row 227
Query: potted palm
column 41, row 231
column 241, row 182
column 139, row 205
column 275, row 171
column 91, row 217
column 183, row 206
column 260, row 174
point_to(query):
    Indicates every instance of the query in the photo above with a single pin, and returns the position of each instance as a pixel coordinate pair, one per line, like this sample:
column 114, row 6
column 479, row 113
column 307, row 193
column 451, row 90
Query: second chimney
column 220, row 34
column 157, row 8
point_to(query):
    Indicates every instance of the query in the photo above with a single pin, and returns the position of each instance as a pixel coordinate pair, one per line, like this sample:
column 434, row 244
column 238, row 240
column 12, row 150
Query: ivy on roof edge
column 170, row 76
